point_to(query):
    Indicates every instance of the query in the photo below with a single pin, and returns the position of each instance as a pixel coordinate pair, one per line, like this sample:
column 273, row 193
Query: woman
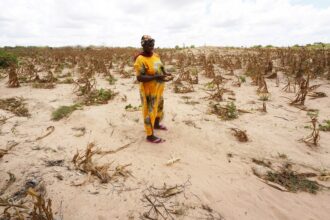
column 151, row 75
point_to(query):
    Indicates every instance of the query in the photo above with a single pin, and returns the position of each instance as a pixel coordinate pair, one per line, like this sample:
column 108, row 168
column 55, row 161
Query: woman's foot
column 154, row 139
column 160, row 127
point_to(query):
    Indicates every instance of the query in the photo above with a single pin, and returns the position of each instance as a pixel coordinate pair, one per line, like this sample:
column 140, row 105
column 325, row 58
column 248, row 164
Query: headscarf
column 146, row 39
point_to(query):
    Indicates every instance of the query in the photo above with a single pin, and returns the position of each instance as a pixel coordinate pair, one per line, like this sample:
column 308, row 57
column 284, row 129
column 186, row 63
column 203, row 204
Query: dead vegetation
column 15, row 105
column 27, row 203
column 284, row 178
column 303, row 90
column 227, row 112
column 168, row 202
column 85, row 163
column 6, row 151
column 240, row 135
column 314, row 137
column 13, row 78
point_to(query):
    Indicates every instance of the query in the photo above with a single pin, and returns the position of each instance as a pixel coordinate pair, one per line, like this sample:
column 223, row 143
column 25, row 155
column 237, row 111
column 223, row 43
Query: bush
column 7, row 59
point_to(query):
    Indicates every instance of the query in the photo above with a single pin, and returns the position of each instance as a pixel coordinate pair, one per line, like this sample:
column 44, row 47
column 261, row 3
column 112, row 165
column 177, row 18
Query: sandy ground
column 201, row 141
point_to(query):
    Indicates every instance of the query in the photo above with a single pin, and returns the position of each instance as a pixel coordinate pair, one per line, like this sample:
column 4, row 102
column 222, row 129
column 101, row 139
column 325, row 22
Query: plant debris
column 314, row 137
column 15, row 105
column 227, row 112
column 50, row 130
column 285, row 179
column 240, row 135
column 85, row 163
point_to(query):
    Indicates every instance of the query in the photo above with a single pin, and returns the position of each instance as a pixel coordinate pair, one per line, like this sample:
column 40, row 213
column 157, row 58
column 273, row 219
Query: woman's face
column 149, row 47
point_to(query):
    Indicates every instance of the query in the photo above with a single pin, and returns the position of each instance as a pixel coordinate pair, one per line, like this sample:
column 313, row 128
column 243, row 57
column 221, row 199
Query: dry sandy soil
column 214, row 170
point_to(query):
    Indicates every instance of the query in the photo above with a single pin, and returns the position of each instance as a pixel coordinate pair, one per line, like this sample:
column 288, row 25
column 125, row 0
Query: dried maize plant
column 237, row 83
column 182, row 87
column 264, row 107
column 13, row 79
column 314, row 137
column 85, row 84
column 188, row 76
column 240, row 135
column 42, row 209
column 85, row 163
column 301, row 95
column 262, row 87
column 122, row 72
column 217, row 95
column 277, row 81
column 290, row 86
column 209, row 70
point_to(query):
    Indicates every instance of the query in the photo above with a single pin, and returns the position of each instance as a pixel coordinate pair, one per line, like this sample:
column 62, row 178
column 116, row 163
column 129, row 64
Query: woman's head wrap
column 146, row 39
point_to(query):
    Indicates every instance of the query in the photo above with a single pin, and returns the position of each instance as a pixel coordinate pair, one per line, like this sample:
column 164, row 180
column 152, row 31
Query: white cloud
column 122, row 23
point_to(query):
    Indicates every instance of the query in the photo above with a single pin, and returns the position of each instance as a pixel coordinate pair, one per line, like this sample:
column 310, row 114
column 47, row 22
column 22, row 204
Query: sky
column 169, row 22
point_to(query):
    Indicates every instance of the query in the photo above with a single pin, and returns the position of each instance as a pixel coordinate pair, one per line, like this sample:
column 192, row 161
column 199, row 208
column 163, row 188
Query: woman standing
column 151, row 75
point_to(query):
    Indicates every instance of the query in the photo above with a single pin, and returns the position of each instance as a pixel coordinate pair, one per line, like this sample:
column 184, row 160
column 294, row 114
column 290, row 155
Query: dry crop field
column 248, row 138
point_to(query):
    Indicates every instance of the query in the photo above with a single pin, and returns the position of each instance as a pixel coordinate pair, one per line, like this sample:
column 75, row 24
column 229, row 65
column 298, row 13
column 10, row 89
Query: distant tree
column 192, row 46
column 177, row 47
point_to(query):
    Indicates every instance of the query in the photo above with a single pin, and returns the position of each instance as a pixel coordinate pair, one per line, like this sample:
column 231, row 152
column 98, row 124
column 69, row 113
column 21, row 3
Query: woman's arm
column 148, row 78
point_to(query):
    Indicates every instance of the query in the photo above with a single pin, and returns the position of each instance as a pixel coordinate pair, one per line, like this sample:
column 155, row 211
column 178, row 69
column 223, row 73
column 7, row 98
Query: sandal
column 156, row 141
column 161, row 127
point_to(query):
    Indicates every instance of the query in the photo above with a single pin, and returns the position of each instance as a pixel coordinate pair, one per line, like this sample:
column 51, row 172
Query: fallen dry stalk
column 85, row 163
column 11, row 180
column 14, row 105
column 314, row 137
column 50, row 130
column 240, row 135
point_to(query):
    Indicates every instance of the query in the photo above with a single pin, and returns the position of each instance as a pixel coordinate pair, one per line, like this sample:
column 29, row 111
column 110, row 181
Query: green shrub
column 64, row 111
column 112, row 80
column 326, row 126
column 242, row 79
column 7, row 59
column 101, row 96
column 232, row 111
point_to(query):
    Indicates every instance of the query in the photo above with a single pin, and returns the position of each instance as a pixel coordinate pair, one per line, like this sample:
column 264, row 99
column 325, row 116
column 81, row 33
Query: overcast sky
column 170, row 22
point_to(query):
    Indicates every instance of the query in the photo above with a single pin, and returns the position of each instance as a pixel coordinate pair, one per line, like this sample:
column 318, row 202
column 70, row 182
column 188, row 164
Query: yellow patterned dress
column 151, row 92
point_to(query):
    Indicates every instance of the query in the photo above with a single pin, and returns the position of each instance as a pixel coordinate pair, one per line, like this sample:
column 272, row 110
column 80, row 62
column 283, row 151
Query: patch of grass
column 264, row 97
column 64, row 111
column 232, row 111
column 326, row 126
column 242, row 79
column 112, row 80
column 313, row 113
column 15, row 105
column 292, row 181
column 130, row 107
column 228, row 112
column 101, row 96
